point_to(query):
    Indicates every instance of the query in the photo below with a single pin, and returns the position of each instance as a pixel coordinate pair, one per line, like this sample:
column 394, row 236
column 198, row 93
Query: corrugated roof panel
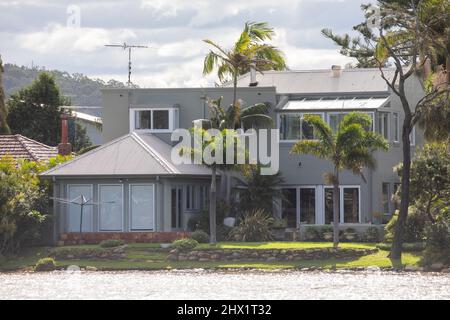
column 328, row 104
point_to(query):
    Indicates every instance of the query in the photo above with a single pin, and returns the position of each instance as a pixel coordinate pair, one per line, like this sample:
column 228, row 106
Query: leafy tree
column 410, row 33
column 430, row 179
column 350, row 147
column 4, row 128
column 35, row 112
column 24, row 201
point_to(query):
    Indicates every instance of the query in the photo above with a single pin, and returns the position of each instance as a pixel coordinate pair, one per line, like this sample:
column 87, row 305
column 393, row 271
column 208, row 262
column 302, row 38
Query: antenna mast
column 125, row 46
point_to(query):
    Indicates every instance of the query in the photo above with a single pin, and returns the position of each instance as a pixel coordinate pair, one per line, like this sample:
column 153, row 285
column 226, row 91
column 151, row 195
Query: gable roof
column 132, row 154
column 321, row 81
column 20, row 147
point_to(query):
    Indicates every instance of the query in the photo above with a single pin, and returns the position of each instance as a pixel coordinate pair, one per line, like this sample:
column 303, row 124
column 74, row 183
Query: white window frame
column 299, row 114
column 371, row 113
column 317, row 211
column 382, row 123
column 341, row 202
column 129, row 207
column 396, row 127
column 91, row 186
column 173, row 113
column 412, row 137
column 100, row 203
column 389, row 196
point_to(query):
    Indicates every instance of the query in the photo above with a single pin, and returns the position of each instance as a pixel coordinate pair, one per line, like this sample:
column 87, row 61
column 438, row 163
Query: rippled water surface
column 224, row 285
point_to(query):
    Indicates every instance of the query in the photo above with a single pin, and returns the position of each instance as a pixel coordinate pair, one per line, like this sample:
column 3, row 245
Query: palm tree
column 248, row 52
column 350, row 147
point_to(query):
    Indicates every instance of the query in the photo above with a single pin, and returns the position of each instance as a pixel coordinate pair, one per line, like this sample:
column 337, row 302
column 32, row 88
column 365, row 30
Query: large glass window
column 142, row 119
column 110, row 207
column 328, row 205
column 160, row 119
column 307, row 205
column 289, row 212
column 335, row 119
column 141, row 207
column 385, row 197
column 396, row 126
column 75, row 193
column 351, row 205
column 383, row 124
column 295, row 127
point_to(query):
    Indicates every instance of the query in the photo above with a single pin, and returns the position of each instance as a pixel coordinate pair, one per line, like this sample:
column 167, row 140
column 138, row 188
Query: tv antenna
column 126, row 46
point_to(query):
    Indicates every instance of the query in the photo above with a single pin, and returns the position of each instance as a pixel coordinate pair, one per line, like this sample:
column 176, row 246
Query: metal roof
column 132, row 154
column 335, row 104
column 320, row 81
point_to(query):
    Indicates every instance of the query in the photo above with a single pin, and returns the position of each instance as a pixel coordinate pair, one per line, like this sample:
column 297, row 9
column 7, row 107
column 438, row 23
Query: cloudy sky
column 48, row 33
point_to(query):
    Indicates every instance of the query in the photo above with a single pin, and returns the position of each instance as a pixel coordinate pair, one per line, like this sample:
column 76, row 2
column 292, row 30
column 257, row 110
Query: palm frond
column 259, row 108
column 313, row 147
column 256, row 121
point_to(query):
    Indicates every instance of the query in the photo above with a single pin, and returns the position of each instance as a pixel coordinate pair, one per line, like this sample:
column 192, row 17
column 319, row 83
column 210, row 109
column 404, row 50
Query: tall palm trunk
column 212, row 206
column 397, row 244
column 336, row 206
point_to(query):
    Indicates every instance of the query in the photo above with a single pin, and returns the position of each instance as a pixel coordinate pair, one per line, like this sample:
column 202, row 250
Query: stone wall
column 72, row 238
column 266, row 254
column 67, row 253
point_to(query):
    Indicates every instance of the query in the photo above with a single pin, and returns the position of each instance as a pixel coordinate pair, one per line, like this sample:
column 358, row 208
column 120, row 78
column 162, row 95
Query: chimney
column 64, row 148
column 336, row 71
column 253, row 82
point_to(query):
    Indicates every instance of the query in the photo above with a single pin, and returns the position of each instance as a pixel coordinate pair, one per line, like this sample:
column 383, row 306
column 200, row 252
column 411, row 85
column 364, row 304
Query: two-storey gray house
column 140, row 190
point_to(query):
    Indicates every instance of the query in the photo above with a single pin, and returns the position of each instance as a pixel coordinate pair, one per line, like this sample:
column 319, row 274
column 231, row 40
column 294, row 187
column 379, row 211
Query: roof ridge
column 86, row 154
column 21, row 140
column 166, row 165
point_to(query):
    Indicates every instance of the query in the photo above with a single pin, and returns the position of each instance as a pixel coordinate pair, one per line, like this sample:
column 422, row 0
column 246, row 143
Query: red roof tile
column 20, row 147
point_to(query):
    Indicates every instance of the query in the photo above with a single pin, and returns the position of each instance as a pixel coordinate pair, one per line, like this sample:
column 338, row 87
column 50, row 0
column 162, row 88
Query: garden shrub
column 312, row 234
column 414, row 227
column 201, row 221
column 323, row 230
column 371, row 234
column 184, row 244
column 437, row 247
column 200, row 236
column 45, row 264
column 111, row 243
column 253, row 226
column 408, row 247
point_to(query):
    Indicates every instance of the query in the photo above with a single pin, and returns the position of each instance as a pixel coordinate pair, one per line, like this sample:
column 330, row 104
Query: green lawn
column 140, row 258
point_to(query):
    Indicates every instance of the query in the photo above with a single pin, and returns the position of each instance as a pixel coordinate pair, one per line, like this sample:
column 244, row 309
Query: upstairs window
column 383, row 124
column 293, row 126
column 154, row 120
column 335, row 119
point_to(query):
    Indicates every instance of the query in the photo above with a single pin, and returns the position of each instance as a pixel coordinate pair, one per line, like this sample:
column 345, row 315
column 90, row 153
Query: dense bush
column 111, row 243
column 45, row 264
column 200, row 236
column 312, row 234
column 201, row 221
column 253, row 226
column 437, row 248
column 414, row 227
column 371, row 234
column 184, row 244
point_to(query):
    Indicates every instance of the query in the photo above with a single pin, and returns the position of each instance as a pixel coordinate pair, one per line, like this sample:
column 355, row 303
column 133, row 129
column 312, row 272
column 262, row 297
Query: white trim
column 172, row 120
column 388, row 121
column 99, row 205
column 412, row 137
column 370, row 113
column 91, row 186
column 129, row 207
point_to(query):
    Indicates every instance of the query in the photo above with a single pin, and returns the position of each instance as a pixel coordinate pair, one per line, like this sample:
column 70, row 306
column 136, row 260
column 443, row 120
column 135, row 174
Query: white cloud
column 56, row 38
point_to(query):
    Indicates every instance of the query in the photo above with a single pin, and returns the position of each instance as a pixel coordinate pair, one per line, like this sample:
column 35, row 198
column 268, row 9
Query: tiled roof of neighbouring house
column 20, row 147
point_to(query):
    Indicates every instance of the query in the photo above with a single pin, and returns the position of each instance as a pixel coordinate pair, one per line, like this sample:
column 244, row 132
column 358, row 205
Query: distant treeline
column 82, row 90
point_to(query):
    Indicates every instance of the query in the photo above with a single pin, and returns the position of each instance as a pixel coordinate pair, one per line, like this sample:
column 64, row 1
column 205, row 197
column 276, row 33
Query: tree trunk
column 397, row 244
column 336, row 207
column 212, row 207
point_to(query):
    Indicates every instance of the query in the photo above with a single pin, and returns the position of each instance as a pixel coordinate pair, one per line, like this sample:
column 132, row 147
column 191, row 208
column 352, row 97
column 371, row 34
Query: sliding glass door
column 110, row 199
column 75, row 192
column 307, row 205
column 349, row 204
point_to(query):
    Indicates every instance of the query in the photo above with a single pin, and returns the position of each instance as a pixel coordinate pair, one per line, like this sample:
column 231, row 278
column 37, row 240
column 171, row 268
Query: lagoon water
column 200, row 284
